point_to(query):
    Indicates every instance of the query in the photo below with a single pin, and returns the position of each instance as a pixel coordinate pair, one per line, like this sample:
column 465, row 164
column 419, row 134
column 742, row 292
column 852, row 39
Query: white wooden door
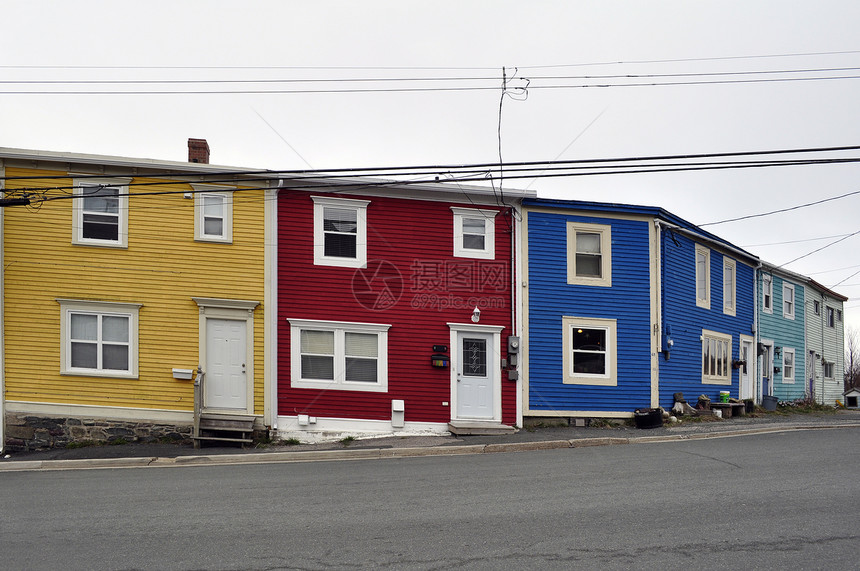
column 474, row 376
column 226, row 383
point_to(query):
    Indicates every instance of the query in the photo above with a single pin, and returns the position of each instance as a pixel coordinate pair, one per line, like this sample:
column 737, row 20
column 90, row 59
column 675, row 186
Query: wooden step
column 222, row 427
column 223, row 439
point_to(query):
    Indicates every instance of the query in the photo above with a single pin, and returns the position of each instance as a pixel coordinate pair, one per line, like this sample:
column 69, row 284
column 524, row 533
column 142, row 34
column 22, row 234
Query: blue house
column 782, row 333
column 707, row 315
column 612, row 319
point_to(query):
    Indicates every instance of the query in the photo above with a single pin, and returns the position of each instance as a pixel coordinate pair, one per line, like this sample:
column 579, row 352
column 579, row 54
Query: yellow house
column 122, row 279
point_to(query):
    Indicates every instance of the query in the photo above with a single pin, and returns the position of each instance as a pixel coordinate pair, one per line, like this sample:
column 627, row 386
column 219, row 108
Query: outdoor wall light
column 476, row 315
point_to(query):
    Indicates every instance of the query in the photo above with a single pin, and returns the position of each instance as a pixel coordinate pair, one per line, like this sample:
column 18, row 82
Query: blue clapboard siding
column 784, row 333
column 550, row 297
column 682, row 372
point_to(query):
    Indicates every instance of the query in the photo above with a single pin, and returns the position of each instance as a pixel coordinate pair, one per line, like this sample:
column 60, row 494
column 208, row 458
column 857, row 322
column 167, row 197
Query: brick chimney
column 198, row 151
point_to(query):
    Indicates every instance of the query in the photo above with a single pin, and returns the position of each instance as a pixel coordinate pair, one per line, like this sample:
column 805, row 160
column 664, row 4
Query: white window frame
column 488, row 252
column 712, row 378
column 703, row 276
column 68, row 307
column 201, row 191
column 830, row 316
column 786, row 378
column 767, row 293
column 816, row 307
column 839, row 315
column 730, row 269
column 824, row 367
column 339, row 329
column 605, row 232
column 788, row 292
column 610, row 377
column 360, row 207
column 81, row 186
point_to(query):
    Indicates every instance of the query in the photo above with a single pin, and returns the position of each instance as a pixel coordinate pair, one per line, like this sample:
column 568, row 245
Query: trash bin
column 724, row 396
column 648, row 417
column 769, row 402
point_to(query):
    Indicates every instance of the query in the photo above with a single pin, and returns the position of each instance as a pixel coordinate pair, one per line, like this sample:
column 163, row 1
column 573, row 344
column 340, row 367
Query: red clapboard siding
column 411, row 235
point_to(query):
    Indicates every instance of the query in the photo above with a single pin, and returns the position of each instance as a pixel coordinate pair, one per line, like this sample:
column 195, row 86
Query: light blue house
column 782, row 333
column 626, row 305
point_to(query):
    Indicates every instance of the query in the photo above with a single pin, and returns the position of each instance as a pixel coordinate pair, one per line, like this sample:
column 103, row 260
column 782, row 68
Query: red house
column 396, row 313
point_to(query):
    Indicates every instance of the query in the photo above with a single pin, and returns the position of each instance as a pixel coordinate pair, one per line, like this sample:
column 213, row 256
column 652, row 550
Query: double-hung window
column 787, row 365
column 101, row 212
column 98, row 339
column 829, row 317
column 816, row 307
column 340, row 232
column 788, row 301
column 703, row 277
column 474, row 233
column 335, row 355
column 213, row 213
column 729, row 288
column 767, row 293
column 590, row 353
column 716, row 358
column 589, row 254
column 828, row 369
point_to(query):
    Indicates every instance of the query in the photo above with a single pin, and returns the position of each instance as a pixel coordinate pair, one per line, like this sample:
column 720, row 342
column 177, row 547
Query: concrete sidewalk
column 165, row 455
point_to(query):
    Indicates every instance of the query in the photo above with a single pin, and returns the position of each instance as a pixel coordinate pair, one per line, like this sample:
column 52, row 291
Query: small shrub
column 346, row 441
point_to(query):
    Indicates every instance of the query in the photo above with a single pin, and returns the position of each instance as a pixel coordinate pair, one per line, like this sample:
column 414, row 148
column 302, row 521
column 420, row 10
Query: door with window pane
column 474, row 376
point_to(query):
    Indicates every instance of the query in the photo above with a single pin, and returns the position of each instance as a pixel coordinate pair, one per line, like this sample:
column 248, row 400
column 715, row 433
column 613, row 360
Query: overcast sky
column 578, row 44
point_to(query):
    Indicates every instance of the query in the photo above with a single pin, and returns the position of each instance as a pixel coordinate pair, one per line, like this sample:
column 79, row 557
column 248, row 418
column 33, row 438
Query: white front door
column 475, row 376
column 225, row 382
column 747, row 390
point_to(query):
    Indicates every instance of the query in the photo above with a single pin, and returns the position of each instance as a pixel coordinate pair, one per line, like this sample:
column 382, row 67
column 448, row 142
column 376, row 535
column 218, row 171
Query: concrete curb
column 385, row 453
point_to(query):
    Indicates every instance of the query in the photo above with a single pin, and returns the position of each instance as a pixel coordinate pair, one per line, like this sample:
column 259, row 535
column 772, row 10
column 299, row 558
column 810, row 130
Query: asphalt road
column 782, row 500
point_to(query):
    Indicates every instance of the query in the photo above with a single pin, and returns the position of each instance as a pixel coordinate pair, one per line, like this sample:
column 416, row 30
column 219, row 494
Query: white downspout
column 517, row 306
column 2, row 321
column 270, row 304
column 757, row 337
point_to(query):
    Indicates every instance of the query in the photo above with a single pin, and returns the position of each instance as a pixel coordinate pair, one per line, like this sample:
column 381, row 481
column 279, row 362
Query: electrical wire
column 789, row 209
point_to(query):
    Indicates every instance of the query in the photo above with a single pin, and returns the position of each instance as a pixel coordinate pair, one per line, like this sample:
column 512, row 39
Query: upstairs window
column 829, row 317
column 474, row 233
column 703, row 277
column 839, row 315
column 767, row 293
column 101, row 212
column 729, row 271
column 816, row 307
column 340, row 232
column 788, row 301
column 213, row 214
column 828, row 370
column 589, row 254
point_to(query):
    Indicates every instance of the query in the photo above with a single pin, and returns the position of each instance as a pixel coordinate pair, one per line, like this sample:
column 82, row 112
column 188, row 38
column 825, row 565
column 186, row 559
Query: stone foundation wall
column 29, row 432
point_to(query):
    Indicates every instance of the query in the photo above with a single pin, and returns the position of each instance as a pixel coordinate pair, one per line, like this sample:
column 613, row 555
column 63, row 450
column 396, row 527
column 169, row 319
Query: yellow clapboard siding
column 162, row 269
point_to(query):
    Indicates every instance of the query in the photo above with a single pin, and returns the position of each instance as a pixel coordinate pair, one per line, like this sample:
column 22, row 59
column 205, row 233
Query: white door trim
column 494, row 365
column 751, row 368
column 236, row 310
column 766, row 365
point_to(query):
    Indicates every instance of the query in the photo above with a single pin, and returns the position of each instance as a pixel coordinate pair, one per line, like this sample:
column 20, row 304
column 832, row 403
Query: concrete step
column 479, row 428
